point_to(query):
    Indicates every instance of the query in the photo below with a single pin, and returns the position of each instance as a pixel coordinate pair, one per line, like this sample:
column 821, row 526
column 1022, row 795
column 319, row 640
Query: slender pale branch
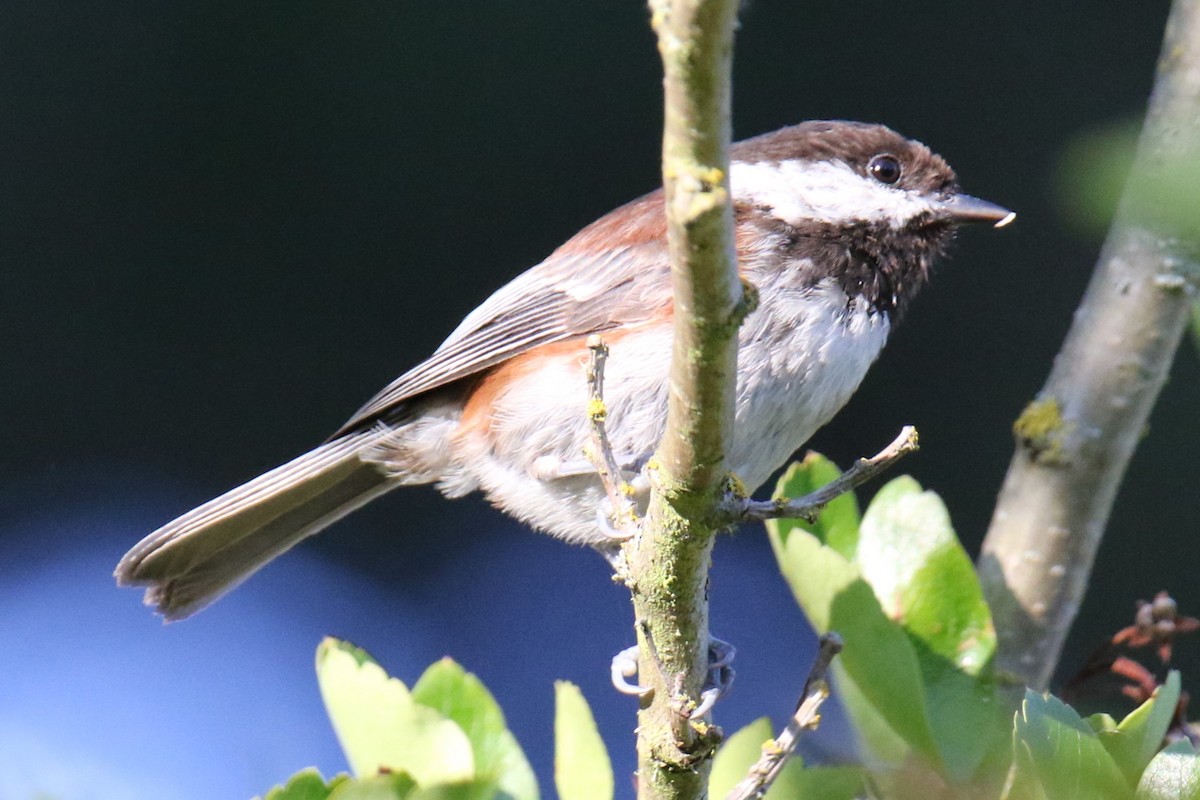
column 1075, row 440
column 806, row 717
column 809, row 507
column 600, row 452
column 669, row 559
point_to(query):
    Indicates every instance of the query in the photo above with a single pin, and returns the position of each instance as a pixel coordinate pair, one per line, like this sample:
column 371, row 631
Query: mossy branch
column 1075, row 440
column 669, row 559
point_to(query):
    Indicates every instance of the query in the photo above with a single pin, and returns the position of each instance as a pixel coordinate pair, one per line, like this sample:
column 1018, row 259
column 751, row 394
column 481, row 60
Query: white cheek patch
column 825, row 191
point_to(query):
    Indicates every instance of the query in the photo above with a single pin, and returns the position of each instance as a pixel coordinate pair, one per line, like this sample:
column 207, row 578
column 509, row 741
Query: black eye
column 884, row 168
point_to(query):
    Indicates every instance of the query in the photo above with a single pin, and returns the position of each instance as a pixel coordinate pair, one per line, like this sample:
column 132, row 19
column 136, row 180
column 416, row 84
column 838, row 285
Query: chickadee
column 837, row 226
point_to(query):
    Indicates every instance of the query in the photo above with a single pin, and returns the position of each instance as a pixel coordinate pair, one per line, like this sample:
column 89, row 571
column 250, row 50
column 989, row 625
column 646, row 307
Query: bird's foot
column 716, row 684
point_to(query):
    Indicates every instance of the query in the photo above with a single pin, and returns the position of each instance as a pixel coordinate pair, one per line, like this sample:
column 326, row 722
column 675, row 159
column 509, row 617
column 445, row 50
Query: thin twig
column 806, row 717
column 600, row 453
column 809, row 507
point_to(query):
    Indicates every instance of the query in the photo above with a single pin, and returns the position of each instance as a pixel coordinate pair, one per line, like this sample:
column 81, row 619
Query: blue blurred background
column 223, row 225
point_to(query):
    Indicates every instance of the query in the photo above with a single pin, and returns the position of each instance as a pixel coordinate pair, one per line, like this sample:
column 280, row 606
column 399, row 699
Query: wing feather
column 569, row 295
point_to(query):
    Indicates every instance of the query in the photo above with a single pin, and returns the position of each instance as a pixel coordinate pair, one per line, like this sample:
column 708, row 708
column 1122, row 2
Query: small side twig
column 806, row 717
column 600, row 452
column 809, row 507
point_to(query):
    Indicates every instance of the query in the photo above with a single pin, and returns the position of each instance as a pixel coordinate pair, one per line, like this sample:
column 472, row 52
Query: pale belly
column 798, row 364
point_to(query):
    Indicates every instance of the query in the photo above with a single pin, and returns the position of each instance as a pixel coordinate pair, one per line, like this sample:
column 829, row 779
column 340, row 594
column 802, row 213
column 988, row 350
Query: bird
column 837, row 227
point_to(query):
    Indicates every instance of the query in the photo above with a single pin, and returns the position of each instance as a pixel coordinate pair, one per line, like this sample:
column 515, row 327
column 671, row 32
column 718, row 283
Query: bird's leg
column 552, row 468
column 624, row 667
column 720, row 676
column 716, row 684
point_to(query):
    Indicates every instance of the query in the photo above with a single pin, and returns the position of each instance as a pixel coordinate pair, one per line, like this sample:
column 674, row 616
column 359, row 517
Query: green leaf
column 837, row 526
column 399, row 786
column 880, row 660
column 923, row 578
column 1133, row 743
column 582, row 770
column 957, row 702
column 902, row 592
column 380, row 726
column 877, row 673
column 737, row 754
column 925, row 581
column 307, row 784
column 1061, row 753
column 1174, row 774
column 460, row 696
column 875, row 738
column 395, row 786
column 794, row 782
column 820, row 783
column 815, row 573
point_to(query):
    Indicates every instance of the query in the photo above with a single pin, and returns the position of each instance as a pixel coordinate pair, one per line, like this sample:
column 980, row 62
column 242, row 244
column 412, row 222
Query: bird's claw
column 716, row 684
column 625, row 666
column 720, row 676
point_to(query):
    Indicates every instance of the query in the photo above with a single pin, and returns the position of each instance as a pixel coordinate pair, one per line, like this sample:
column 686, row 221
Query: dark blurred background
column 224, row 225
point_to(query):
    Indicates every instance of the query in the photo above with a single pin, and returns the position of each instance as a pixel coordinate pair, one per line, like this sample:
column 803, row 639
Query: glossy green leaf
column 736, row 756
column 958, row 702
column 307, row 784
column 1133, row 742
column 396, row 786
column 821, row 783
column 380, row 726
column 739, row 752
column 837, row 526
column 582, row 769
column 795, row 781
column 399, row 786
column 925, row 581
column 877, row 671
column 923, row 578
column 1025, row 783
column 815, row 573
column 1174, row 774
column 1061, row 753
column 875, row 738
column 472, row 790
column 460, row 696
column 881, row 661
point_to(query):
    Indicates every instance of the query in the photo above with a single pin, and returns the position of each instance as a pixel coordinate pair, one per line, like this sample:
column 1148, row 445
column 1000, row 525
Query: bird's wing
column 571, row 294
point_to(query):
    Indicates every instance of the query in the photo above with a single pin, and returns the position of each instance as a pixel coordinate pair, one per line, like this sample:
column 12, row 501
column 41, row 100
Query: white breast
column 803, row 353
column 802, row 356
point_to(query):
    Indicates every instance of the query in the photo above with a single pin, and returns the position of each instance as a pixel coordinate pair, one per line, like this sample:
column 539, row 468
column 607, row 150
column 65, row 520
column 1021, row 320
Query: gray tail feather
column 190, row 562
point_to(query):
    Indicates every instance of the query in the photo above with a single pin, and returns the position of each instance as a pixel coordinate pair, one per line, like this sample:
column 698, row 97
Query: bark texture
column 669, row 559
column 1075, row 440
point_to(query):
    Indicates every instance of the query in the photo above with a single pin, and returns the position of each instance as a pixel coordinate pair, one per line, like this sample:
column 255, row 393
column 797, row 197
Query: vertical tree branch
column 1075, row 440
column 669, row 560
column 1196, row 324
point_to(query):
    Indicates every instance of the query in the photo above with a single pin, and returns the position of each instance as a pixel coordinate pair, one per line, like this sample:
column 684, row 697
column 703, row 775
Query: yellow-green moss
column 1040, row 430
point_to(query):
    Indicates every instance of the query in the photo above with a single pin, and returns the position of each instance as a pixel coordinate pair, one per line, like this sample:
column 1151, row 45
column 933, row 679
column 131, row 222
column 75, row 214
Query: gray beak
column 964, row 208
